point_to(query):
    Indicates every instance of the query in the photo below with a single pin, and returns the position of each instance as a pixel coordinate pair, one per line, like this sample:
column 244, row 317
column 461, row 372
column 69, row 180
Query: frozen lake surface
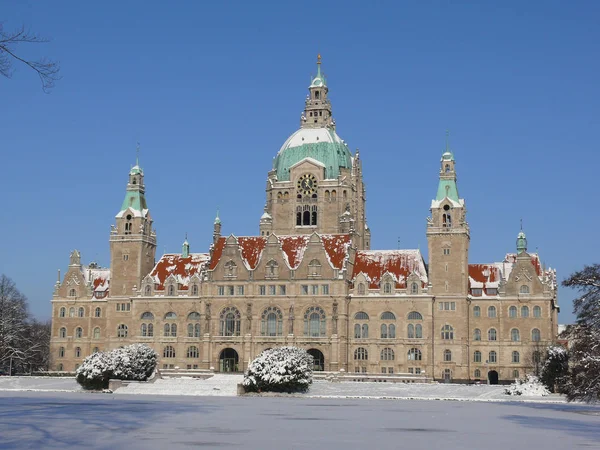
column 105, row 421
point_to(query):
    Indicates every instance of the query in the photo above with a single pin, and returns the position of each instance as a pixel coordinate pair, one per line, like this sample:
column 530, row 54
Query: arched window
column 306, row 215
column 476, row 311
column 477, row 373
column 230, row 321
column 388, row 315
column 194, row 315
column 333, row 195
column 447, row 332
column 313, row 215
column 384, row 331
column 414, row 288
column 516, row 358
column 414, row 354
column 536, row 357
column 63, row 332
column 97, row 333
column 447, row 355
column 122, row 331
column 299, row 214
column 173, row 330
column 79, row 332
column 61, row 352
column 392, row 331
column 447, row 168
column 71, row 312
column 387, row 288
column 314, row 322
column 63, row 312
column 512, row 311
column 361, row 316
column 492, row 312
column 476, row 334
column 77, row 352
column 169, row 352
column 314, row 268
column 81, row 312
column 171, row 290
column 170, row 315
column 414, row 315
column 98, row 312
column 515, row 374
column 72, row 293
column 148, row 316
column 194, row 289
column 148, row 290
column 411, row 331
column 271, row 323
column 524, row 289
column 192, row 352
column 418, row 331
column 144, row 330
column 150, row 330
column 360, row 354
column 537, row 312
column 193, row 330
column 477, row 356
column 514, row 335
column 492, row 334
column 493, row 357
column 524, row 311
column 535, row 335
column 60, row 367
column 361, row 289
column 167, row 330
column 387, row 354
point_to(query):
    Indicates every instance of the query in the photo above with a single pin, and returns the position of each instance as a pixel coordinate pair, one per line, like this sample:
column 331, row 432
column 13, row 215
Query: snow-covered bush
column 134, row 362
column 530, row 386
column 280, row 369
column 555, row 369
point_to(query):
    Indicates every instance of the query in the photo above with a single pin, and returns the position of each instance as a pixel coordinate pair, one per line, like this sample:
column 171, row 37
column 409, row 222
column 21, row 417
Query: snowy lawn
column 39, row 384
column 103, row 421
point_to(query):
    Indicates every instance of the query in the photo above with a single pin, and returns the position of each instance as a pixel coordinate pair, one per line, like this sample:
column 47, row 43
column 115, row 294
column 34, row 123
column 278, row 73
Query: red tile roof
column 251, row 249
column 484, row 276
column 293, row 248
column 374, row 264
column 336, row 246
column 181, row 268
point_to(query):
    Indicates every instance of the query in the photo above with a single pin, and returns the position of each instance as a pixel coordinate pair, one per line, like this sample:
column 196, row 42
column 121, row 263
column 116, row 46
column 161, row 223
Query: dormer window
column 476, row 292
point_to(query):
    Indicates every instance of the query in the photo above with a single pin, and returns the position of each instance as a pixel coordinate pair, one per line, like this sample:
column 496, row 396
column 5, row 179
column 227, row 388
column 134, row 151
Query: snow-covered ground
column 39, row 384
column 70, row 421
column 218, row 385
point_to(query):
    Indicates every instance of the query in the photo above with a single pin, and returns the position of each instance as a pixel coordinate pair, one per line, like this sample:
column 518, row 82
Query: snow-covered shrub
column 530, row 386
column 555, row 369
column 280, row 369
column 134, row 362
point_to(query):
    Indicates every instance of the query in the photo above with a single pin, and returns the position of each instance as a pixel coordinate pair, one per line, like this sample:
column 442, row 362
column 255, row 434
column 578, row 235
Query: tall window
column 271, row 323
column 492, row 335
column 516, row 357
column 171, row 291
column 537, row 312
column 79, row 332
column 512, row 311
column 476, row 334
column 314, row 268
column 477, row 356
column 361, row 289
column 192, row 352
column 387, row 288
column 447, row 355
column 169, row 352
column 492, row 311
column 98, row 312
column 148, row 290
column 447, row 332
column 77, row 352
column 230, row 321
column 72, row 293
column 71, row 312
column 493, row 357
column 411, row 331
column 524, row 311
column 314, row 322
column 514, row 335
column 170, row 330
column 387, row 354
column 476, row 311
column 97, row 333
column 477, row 373
column 122, row 331
column 63, row 332
column 360, row 354
column 63, row 312
column 194, row 289
column 414, row 354
column 81, row 312
column 193, row 330
column 61, row 352
column 535, row 335
column 414, row 288
column 388, row 331
column 361, row 331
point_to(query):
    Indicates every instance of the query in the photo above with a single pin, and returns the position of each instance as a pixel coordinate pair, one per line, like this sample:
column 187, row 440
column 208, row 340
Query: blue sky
column 211, row 90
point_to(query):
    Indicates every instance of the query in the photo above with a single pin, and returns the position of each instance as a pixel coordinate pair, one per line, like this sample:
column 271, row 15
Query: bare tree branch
column 47, row 70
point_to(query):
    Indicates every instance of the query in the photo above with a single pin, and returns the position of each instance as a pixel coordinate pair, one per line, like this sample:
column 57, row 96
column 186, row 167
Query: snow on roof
column 535, row 260
column 336, row 247
column 134, row 212
column 374, row 264
column 293, row 249
column 181, row 268
column 484, row 276
column 311, row 136
column 98, row 276
column 251, row 248
column 454, row 203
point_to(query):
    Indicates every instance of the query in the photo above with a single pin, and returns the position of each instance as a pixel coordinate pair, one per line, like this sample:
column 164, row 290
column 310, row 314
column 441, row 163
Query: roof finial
column 217, row 220
column 447, row 140
column 319, row 65
column 137, row 154
column 521, row 224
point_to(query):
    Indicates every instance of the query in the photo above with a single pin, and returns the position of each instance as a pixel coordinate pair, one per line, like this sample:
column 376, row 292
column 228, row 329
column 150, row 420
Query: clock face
column 307, row 184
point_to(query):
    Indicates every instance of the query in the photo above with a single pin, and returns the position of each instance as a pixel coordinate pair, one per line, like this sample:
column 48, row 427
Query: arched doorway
column 318, row 359
column 493, row 377
column 228, row 360
column 447, row 375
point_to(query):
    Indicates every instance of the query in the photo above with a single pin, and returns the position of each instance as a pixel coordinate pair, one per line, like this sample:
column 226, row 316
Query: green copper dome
column 320, row 144
column 521, row 242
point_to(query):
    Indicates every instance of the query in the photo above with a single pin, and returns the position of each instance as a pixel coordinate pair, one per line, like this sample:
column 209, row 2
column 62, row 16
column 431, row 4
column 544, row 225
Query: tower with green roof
column 448, row 234
column 132, row 239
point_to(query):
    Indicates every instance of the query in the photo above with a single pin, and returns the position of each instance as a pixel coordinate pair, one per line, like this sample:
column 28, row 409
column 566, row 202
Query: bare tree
column 13, row 324
column 47, row 70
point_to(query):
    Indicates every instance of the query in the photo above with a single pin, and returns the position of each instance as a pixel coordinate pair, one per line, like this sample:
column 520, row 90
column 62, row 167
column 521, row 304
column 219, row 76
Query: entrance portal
column 447, row 375
column 318, row 359
column 493, row 377
column 228, row 360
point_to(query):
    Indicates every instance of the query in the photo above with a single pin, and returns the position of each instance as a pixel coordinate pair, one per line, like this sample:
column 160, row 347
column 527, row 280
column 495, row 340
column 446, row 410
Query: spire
column 521, row 240
column 135, row 194
column 447, row 185
column 185, row 248
column 317, row 110
column 217, row 220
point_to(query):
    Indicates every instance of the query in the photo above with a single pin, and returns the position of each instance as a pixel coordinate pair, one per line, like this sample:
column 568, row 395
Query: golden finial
column 319, row 58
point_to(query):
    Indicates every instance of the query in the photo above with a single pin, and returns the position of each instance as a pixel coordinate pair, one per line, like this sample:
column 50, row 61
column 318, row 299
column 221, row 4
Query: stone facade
column 310, row 279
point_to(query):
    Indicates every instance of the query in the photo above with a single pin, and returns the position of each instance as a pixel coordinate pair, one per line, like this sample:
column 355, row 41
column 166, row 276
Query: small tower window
column 299, row 216
column 317, row 94
column 447, row 168
column 313, row 216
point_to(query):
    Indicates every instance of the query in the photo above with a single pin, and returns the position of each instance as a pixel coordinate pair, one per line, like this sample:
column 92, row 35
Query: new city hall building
column 310, row 279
